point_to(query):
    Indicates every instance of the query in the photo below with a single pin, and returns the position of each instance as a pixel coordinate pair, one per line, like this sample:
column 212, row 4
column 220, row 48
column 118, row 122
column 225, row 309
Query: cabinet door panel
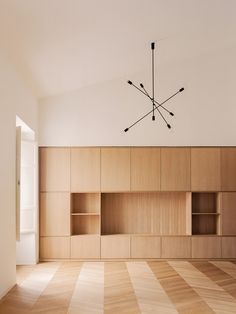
column 54, row 214
column 205, row 169
column 206, row 247
column 228, row 169
column 145, row 169
column 175, row 169
column 85, row 246
column 54, row 169
column 145, row 247
column 115, row 246
column 115, row 169
column 54, row 247
column 228, row 213
column 85, row 169
column 176, row 247
column 228, row 247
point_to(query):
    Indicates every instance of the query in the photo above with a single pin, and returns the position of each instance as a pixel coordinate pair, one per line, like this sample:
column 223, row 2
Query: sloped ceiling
column 63, row 45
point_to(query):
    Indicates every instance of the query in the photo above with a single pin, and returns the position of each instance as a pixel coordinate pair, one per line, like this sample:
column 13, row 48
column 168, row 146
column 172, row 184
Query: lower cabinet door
column 145, row 247
column 115, row 246
column 85, row 246
column 54, row 247
column 206, row 247
column 176, row 247
column 228, row 247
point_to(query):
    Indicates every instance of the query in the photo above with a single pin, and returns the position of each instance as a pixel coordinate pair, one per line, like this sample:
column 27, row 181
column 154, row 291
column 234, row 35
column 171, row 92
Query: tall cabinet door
column 205, row 169
column 54, row 169
column 175, row 169
column 145, row 169
column 228, row 213
column 115, row 169
column 85, row 169
column 228, row 169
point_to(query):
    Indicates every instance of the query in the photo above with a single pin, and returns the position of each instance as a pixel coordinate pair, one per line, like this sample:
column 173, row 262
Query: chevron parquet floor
column 186, row 287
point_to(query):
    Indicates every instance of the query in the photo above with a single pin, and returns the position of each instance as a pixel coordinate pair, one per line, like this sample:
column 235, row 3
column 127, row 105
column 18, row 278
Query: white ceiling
column 63, row 45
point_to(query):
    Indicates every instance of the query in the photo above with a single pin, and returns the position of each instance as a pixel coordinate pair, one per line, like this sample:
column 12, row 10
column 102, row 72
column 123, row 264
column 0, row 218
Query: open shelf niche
column 145, row 213
column 205, row 213
column 85, row 213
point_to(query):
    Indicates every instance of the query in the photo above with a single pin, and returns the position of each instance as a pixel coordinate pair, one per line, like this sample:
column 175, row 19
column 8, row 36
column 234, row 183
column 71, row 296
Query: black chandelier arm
column 155, row 102
column 140, row 119
column 179, row 91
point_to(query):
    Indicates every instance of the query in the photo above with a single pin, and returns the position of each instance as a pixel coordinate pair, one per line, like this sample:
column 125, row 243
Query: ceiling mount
column 155, row 105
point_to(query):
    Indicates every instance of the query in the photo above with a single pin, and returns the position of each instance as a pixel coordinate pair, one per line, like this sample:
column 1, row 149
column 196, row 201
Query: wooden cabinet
column 85, row 246
column 176, row 247
column 85, row 169
column 54, row 169
column 228, row 213
column 175, row 169
column 228, row 247
column 228, row 169
column 115, row 246
column 145, row 169
column 55, row 214
column 54, row 247
column 205, row 169
column 206, row 247
column 145, row 247
column 115, row 169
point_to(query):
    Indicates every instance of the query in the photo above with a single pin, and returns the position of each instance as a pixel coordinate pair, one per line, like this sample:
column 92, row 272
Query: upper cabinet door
column 175, row 169
column 85, row 169
column 145, row 169
column 54, row 169
column 115, row 169
column 228, row 169
column 205, row 169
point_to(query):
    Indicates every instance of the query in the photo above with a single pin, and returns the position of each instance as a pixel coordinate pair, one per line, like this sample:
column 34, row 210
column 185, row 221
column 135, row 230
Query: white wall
column 15, row 98
column 204, row 113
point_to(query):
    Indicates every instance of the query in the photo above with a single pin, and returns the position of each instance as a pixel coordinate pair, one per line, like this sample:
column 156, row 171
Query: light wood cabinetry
column 85, row 246
column 175, row 169
column 145, row 169
column 54, row 169
column 205, row 169
column 85, row 169
column 115, row 246
column 228, row 169
column 115, row 169
column 228, row 247
column 139, row 202
column 54, row 247
column 206, row 247
column 176, row 247
column 145, row 247
column 228, row 209
column 55, row 214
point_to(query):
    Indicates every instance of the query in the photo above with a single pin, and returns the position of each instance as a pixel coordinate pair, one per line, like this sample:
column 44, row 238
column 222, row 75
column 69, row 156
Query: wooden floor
column 124, row 287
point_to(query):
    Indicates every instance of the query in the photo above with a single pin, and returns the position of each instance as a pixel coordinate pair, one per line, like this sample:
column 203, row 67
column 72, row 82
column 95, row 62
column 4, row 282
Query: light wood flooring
column 124, row 288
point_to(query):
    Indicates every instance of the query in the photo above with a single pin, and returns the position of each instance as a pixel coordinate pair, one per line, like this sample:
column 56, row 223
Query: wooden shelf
column 85, row 214
column 206, row 214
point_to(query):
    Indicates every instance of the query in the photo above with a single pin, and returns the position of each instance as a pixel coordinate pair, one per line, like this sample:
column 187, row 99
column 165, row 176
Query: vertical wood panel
column 228, row 168
column 54, row 247
column 175, row 169
column 145, row 169
column 115, row 169
column 54, row 169
column 205, row 169
column 176, row 247
column 228, row 213
column 85, row 169
column 145, row 247
column 54, row 214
